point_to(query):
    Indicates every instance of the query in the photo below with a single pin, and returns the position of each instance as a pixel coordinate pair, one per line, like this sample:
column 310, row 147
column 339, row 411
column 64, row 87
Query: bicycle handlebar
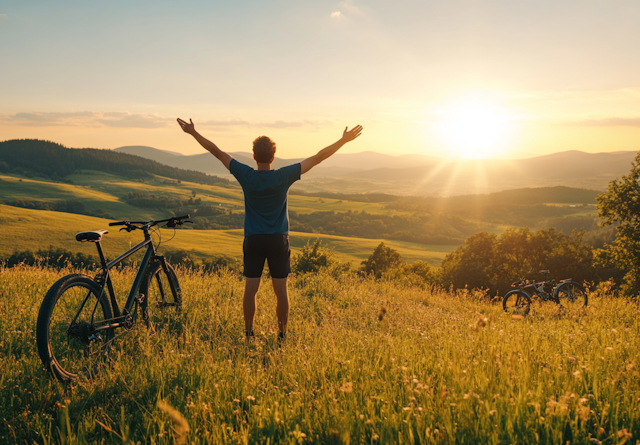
column 171, row 222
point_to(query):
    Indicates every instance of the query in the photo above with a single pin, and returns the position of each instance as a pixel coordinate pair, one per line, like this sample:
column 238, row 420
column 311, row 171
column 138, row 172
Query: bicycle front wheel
column 516, row 302
column 571, row 295
column 162, row 295
column 71, row 332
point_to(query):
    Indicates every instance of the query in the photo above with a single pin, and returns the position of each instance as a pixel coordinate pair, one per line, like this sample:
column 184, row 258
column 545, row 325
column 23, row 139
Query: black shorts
column 274, row 248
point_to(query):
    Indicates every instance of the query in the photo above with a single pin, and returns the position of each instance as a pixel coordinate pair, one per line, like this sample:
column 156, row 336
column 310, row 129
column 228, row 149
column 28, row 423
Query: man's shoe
column 250, row 336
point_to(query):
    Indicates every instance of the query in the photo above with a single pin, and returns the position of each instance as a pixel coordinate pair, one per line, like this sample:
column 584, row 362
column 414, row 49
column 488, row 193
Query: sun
column 474, row 130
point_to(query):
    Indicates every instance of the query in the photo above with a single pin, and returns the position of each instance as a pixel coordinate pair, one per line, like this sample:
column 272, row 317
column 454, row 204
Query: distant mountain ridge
column 429, row 175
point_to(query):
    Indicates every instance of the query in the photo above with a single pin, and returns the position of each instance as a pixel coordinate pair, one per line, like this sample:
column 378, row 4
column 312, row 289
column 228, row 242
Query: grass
column 25, row 229
column 366, row 362
column 103, row 192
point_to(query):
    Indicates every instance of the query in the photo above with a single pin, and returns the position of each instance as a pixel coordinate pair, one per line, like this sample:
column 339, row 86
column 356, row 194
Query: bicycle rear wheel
column 162, row 295
column 516, row 302
column 68, row 343
column 572, row 295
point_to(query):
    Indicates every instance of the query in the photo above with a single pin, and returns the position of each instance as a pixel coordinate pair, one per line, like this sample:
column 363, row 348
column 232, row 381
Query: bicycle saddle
column 91, row 236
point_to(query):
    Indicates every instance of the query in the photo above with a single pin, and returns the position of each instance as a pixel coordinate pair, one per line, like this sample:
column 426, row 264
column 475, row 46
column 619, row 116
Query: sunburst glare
column 474, row 130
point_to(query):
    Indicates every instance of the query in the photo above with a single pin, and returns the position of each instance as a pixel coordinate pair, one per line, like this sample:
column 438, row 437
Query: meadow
column 365, row 361
column 102, row 191
column 26, row 229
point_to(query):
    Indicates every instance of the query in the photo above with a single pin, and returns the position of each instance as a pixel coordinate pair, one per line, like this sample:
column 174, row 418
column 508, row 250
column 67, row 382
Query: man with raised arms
column 266, row 220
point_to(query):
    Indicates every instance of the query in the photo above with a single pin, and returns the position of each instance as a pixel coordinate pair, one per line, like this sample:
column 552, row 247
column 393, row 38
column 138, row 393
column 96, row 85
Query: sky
column 455, row 78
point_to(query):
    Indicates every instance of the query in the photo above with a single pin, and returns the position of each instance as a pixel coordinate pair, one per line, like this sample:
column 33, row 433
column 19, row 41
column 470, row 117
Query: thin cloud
column 3, row 16
column 293, row 124
column 336, row 14
column 123, row 119
column 46, row 119
column 280, row 124
column 86, row 118
column 609, row 122
column 135, row 121
column 350, row 6
column 224, row 123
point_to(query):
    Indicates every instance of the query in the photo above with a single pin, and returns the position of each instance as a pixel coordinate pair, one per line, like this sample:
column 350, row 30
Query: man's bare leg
column 249, row 302
column 282, row 307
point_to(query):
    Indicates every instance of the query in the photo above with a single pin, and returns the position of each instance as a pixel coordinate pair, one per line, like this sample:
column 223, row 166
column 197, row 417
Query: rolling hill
column 428, row 175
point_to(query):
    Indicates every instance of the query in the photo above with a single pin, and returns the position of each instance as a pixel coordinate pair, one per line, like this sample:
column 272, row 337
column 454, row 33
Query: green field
column 25, row 229
column 104, row 192
column 365, row 362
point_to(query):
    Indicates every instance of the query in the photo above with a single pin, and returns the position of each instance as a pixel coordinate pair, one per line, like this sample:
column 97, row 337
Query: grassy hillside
column 365, row 362
column 104, row 191
column 25, row 229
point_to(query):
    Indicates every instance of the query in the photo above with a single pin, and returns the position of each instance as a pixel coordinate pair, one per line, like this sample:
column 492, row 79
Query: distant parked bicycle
column 568, row 294
column 77, row 319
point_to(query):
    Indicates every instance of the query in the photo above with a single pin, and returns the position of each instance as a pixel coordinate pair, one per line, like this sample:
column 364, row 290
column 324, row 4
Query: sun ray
column 474, row 130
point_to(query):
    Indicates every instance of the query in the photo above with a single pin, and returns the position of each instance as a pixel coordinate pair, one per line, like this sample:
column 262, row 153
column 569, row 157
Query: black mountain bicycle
column 568, row 294
column 77, row 319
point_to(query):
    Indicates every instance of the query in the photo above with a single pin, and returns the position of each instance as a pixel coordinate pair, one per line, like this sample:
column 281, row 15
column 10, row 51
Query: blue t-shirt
column 265, row 197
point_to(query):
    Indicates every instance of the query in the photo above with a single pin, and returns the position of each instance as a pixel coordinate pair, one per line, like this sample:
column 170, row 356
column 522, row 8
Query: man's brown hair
column 264, row 149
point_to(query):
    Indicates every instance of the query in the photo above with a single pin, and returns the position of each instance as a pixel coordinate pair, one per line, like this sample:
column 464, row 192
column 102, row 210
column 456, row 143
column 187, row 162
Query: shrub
column 382, row 259
column 314, row 257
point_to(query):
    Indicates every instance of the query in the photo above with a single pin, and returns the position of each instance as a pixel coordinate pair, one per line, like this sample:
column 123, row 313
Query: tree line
column 51, row 160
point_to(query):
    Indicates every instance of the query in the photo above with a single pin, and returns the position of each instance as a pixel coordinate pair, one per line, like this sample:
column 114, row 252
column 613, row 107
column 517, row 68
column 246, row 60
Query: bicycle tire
column 571, row 295
column 66, row 344
column 162, row 294
column 516, row 302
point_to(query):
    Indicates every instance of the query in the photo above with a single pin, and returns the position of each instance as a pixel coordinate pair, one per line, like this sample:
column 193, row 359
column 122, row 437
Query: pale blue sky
column 117, row 73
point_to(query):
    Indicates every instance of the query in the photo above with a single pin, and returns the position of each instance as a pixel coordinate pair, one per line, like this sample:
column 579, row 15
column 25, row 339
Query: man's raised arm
column 189, row 127
column 323, row 154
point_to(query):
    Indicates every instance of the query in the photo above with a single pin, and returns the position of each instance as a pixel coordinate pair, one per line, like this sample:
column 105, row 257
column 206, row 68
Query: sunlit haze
column 456, row 79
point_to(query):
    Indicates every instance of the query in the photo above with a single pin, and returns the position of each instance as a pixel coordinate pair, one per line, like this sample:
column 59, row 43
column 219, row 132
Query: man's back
column 265, row 195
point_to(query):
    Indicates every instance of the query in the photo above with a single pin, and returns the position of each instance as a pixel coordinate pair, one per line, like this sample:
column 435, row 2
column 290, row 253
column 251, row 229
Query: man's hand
column 350, row 135
column 212, row 148
column 347, row 136
column 189, row 127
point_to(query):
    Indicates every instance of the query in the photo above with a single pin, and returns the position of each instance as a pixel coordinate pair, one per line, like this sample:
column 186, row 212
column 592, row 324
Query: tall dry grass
column 365, row 362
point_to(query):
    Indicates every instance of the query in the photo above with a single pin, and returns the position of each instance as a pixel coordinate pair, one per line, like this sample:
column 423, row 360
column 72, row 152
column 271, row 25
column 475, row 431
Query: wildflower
column 251, row 398
column 347, row 387
column 517, row 317
column 492, row 412
column 624, row 434
column 584, row 412
column 368, row 422
column 236, row 400
column 375, row 437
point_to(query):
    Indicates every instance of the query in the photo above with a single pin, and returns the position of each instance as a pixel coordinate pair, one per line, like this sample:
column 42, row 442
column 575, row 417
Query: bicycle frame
column 104, row 279
column 531, row 290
